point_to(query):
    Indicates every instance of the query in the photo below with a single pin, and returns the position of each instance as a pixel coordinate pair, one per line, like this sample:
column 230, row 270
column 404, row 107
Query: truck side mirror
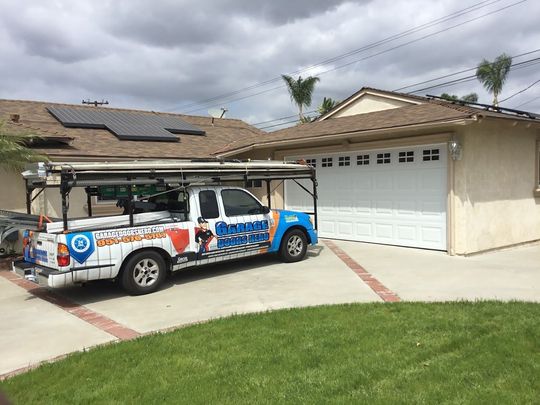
column 265, row 210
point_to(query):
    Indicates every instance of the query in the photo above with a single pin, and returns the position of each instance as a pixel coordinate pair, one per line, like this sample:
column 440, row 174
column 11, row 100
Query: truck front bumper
column 43, row 276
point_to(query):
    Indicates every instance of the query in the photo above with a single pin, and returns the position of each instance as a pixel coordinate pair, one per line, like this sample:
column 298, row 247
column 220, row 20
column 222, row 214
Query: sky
column 195, row 57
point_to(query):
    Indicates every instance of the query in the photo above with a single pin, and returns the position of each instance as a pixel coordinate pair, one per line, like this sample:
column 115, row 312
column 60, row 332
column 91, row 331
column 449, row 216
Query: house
column 414, row 171
column 392, row 168
column 80, row 133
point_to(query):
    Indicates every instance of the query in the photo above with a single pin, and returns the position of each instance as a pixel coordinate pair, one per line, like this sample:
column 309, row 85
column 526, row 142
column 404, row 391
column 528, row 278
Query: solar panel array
column 135, row 126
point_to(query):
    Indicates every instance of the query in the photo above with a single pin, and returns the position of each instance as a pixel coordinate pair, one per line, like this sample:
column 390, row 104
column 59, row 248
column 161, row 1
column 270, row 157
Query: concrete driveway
column 40, row 325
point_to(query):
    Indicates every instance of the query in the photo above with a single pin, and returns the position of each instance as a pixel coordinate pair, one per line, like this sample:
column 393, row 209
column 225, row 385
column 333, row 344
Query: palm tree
column 301, row 91
column 14, row 153
column 492, row 75
column 326, row 105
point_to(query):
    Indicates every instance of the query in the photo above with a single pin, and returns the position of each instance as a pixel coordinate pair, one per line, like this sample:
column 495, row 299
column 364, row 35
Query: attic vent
column 126, row 125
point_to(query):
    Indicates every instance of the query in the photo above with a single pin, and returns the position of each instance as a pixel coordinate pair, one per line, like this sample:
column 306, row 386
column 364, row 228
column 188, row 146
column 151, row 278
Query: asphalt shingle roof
column 100, row 143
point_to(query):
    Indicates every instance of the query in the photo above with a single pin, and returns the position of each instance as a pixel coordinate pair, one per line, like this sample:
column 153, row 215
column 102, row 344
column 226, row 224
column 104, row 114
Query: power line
column 519, row 92
column 466, row 79
column 448, row 17
column 457, row 73
column 283, row 123
column 527, row 102
column 389, row 39
column 515, row 66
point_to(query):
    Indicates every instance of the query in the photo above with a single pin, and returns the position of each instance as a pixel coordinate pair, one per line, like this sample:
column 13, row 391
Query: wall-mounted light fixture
column 455, row 149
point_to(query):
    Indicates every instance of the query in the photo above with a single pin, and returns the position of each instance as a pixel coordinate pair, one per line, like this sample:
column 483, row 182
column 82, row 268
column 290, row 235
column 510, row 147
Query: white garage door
column 390, row 196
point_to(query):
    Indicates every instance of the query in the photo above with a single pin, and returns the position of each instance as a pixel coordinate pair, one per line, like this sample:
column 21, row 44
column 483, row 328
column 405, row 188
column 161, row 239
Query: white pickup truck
column 186, row 227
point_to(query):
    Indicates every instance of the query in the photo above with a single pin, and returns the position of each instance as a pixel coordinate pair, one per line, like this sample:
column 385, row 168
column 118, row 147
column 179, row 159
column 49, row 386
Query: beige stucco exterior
column 494, row 186
column 367, row 103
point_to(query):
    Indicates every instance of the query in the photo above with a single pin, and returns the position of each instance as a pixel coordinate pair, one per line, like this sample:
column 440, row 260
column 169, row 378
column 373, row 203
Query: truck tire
column 293, row 246
column 143, row 273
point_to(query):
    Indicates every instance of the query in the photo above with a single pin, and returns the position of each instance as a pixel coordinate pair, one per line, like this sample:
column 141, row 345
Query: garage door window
column 311, row 162
column 430, row 154
column 383, row 158
column 406, row 157
column 327, row 162
column 344, row 161
column 362, row 160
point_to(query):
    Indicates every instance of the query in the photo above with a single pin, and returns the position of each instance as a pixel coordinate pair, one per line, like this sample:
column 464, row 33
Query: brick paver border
column 386, row 294
column 80, row 311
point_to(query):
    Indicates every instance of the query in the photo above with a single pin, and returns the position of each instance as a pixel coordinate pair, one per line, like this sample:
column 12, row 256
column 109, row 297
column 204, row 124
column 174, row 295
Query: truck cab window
column 208, row 203
column 238, row 202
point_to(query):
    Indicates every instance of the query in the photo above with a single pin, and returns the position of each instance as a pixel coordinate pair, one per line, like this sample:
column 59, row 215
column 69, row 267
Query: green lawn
column 485, row 352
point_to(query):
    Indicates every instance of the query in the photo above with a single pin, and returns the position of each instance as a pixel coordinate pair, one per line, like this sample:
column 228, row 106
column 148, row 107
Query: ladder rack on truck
column 90, row 175
column 178, row 214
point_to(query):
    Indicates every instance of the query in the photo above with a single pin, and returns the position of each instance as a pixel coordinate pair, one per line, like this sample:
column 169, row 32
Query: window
column 344, row 161
column 327, row 162
column 383, row 158
column 208, row 203
column 312, row 162
column 362, row 160
column 430, row 154
column 254, row 184
column 238, row 202
column 406, row 157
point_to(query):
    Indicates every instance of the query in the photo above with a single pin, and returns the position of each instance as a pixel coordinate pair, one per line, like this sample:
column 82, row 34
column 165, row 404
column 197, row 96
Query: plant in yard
column 301, row 91
column 14, row 150
column 492, row 75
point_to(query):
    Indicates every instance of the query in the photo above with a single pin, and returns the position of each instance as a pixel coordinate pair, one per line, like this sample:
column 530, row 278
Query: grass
column 484, row 352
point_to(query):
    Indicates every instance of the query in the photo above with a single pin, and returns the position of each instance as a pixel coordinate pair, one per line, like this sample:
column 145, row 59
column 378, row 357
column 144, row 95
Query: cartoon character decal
column 203, row 235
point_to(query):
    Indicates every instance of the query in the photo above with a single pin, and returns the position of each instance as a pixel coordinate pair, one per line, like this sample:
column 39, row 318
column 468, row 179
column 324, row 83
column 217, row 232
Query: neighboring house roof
column 61, row 142
column 421, row 111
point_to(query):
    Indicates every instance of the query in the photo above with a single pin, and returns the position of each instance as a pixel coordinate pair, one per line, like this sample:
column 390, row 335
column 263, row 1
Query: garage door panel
column 400, row 203
column 407, row 232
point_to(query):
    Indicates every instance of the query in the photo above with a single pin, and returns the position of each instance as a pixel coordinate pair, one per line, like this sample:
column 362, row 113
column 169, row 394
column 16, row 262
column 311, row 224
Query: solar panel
column 126, row 125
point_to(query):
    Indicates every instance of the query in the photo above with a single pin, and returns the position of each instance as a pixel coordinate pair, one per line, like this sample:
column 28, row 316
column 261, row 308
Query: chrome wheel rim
column 295, row 245
column 146, row 272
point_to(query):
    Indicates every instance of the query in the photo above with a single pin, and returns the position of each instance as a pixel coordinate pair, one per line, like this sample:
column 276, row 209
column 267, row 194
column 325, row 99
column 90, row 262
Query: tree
column 469, row 98
column 14, row 153
column 326, row 105
column 301, row 91
column 492, row 75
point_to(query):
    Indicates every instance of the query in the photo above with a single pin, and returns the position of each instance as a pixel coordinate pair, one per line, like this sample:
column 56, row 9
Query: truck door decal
column 80, row 245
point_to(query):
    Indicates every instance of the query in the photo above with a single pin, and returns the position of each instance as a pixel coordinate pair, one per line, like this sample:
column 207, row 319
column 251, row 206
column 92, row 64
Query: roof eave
column 286, row 142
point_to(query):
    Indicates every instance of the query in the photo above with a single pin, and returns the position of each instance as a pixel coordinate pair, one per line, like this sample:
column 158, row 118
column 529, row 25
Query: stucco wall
column 369, row 103
column 494, row 187
column 12, row 194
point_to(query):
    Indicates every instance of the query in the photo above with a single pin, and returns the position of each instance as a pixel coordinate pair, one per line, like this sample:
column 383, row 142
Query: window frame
column 227, row 214
column 200, row 205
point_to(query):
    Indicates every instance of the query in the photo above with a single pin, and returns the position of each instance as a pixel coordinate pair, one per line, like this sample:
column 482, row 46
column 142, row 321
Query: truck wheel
column 143, row 273
column 293, row 246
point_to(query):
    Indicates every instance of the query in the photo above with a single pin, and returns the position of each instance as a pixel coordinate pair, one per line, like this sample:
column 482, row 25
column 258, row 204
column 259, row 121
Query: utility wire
column 427, row 25
column 465, row 79
column 519, row 92
column 421, row 27
column 527, row 102
column 457, row 73
column 515, row 66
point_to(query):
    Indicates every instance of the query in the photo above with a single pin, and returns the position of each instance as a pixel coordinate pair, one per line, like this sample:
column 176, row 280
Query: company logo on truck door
column 241, row 233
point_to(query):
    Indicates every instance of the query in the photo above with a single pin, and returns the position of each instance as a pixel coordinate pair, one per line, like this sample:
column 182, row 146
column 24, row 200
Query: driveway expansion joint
column 382, row 291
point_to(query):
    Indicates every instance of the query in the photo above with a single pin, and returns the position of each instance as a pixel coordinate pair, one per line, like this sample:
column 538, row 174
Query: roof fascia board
column 460, row 121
